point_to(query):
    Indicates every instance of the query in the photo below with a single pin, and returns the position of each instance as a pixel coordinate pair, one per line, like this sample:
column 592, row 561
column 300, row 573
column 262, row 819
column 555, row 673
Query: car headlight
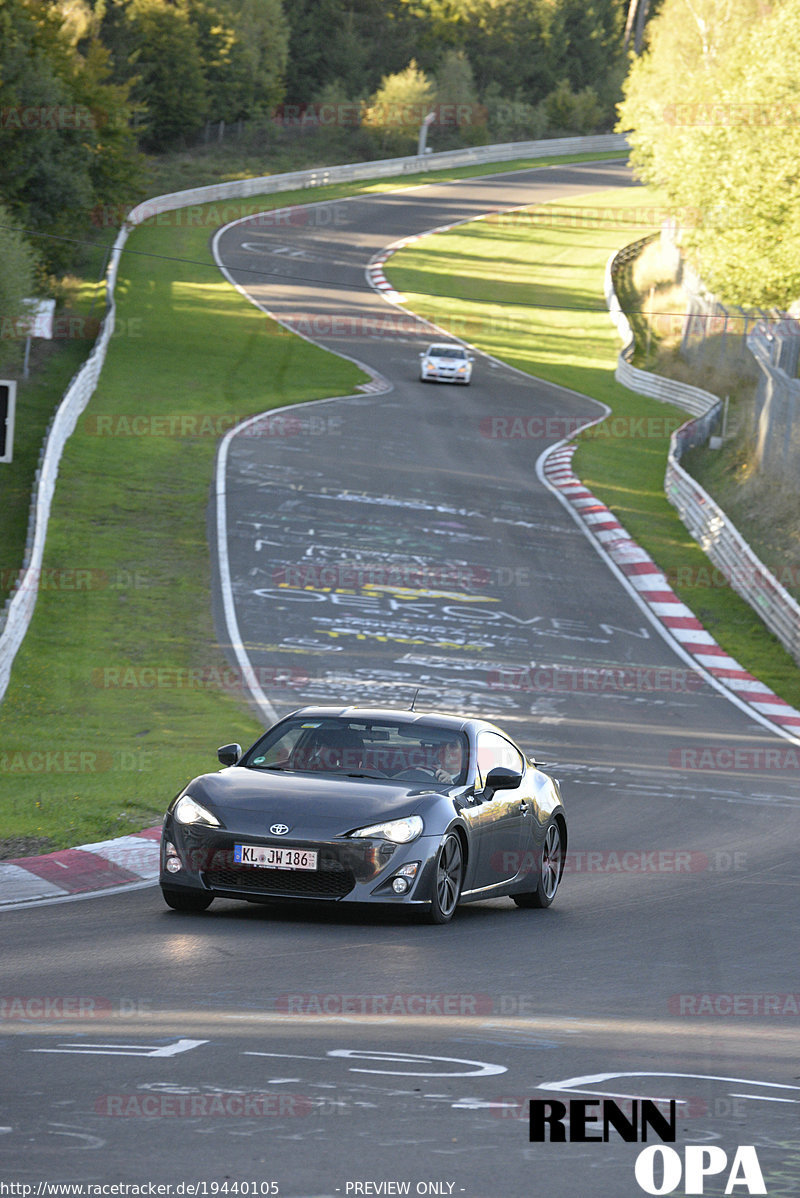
column 399, row 831
column 187, row 811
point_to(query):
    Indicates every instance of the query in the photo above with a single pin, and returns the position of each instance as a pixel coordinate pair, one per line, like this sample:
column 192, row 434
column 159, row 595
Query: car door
column 503, row 814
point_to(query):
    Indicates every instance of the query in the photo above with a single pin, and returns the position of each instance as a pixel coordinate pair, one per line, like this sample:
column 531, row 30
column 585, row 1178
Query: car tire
column 186, row 900
column 448, row 878
column 550, row 872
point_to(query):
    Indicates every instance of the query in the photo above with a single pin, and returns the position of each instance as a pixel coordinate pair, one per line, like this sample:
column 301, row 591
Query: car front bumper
column 349, row 869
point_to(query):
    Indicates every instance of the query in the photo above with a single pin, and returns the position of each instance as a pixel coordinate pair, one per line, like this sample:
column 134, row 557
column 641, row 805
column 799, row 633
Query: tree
column 225, row 84
column 398, row 107
column 260, row 51
column 65, row 141
column 713, row 112
column 456, row 97
column 356, row 42
column 169, row 81
column 638, row 11
column 572, row 113
column 17, row 281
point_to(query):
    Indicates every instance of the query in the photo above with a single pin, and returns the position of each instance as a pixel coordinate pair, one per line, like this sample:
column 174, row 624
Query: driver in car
column 451, row 762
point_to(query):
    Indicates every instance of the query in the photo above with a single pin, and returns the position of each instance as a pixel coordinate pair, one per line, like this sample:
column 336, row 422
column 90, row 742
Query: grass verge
column 96, row 730
column 529, row 291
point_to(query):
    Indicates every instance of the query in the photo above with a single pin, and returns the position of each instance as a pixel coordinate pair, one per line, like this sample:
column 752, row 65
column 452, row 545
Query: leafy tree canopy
column 17, row 280
column 65, row 143
column 714, row 108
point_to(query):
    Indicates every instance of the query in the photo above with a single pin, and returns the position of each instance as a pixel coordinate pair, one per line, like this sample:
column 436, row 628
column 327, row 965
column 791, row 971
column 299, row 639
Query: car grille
column 331, row 881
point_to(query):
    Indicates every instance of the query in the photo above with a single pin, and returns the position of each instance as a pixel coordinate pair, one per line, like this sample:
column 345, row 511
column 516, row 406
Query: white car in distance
column 447, row 363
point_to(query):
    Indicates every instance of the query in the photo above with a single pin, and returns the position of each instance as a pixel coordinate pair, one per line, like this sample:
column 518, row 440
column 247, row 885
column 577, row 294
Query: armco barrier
column 691, row 399
column 719, row 539
column 20, row 605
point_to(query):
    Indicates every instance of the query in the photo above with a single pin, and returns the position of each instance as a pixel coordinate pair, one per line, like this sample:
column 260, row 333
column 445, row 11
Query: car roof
column 436, row 719
column 445, row 345
column 396, row 714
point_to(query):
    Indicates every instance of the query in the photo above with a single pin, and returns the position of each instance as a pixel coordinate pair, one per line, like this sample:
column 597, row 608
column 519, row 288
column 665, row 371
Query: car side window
column 493, row 750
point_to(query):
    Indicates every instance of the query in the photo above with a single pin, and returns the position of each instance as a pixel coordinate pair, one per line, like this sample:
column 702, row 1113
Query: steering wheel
column 417, row 769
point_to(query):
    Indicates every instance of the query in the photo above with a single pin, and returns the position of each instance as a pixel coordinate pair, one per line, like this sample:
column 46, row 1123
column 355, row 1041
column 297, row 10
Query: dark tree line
column 89, row 86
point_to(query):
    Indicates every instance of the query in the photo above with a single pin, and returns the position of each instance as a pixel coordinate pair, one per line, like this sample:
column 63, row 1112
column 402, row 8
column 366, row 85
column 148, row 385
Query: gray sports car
column 368, row 806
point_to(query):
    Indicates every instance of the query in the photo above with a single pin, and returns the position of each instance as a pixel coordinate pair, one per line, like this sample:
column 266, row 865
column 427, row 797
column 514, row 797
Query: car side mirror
column 229, row 754
column 502, row 778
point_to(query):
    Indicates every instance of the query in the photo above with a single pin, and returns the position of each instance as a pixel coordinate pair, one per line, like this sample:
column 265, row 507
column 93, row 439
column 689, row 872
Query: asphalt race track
column 379, row 543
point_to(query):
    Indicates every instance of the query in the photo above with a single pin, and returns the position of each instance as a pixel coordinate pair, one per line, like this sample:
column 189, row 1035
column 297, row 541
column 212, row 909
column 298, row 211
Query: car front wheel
column 550, row 873
column 448, row 879
column 186, row 900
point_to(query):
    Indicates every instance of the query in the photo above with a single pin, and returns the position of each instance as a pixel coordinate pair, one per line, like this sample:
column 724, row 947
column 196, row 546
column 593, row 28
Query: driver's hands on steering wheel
column 442, row 775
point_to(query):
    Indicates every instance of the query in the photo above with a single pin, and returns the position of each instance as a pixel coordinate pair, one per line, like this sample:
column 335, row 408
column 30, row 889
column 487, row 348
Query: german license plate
column 273, row 857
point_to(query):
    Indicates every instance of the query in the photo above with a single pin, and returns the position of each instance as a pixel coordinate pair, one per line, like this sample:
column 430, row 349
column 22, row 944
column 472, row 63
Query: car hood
column 248, row 801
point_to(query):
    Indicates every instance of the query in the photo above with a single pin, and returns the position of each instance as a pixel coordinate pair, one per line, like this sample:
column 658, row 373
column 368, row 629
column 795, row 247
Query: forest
column 91, row 90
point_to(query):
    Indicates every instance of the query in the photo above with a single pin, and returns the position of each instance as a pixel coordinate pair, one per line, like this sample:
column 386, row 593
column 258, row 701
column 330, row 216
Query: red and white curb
column 124, row 863
column 378, row 280
column 655, row 593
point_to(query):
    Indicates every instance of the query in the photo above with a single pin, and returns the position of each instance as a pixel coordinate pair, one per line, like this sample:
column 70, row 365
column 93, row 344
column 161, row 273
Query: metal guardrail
column 691, row 399
column 380, row 169
column 704, row 519
column 724, row 545
column 775, row 347
column 19, row 607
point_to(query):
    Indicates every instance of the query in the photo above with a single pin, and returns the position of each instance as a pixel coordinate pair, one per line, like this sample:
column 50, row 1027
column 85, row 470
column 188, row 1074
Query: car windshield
column 446, row 351
column 413, row 752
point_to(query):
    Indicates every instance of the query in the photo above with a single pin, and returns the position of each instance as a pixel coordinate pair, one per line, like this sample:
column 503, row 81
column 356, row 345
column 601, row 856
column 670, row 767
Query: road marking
column 91, row 1140
column 577, row 1085
column 482, row 1068
column 126, row 1050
